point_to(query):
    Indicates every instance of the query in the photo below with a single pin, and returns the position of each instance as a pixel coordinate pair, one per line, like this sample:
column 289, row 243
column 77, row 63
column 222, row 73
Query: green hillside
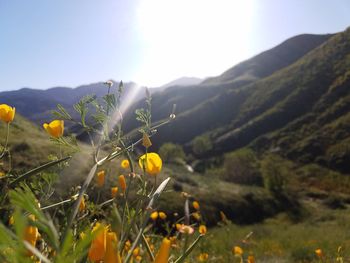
column 300, row 111
column 307, row 99
column 29, row 144
column 268, row 62
column 215, row 102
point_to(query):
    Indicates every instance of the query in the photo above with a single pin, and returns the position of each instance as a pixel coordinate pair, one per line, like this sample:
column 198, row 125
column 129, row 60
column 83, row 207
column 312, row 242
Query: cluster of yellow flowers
column 105, row 246
column 157, row 214
column 54, row 128
column 237, row 251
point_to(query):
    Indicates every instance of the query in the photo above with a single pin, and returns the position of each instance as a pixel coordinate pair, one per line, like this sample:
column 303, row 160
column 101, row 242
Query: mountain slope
column 29, row 144
column 300, row 111
column 289, row 94
column 268, row 62
column 195, row 104
column 184, row 81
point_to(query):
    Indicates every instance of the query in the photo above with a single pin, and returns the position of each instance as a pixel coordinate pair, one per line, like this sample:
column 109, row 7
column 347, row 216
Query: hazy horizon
column 69, row 44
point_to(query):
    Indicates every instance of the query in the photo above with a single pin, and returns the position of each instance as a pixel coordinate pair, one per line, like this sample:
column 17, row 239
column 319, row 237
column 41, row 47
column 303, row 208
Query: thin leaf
column 189, row 250
column 37, row 170
column 77, row 202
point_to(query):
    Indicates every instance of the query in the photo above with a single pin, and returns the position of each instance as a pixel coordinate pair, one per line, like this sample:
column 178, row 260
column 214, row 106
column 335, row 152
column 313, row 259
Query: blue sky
column 45, row 43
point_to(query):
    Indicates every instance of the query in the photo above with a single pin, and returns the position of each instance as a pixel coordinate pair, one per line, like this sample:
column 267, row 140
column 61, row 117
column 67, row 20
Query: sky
column 69, row 43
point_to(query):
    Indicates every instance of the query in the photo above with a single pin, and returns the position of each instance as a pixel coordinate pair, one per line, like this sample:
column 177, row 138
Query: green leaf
column 110, row 101
column 62, row 113
column 37, row 170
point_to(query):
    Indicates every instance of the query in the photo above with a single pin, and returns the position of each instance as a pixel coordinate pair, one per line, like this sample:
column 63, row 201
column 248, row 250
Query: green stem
column 76, row 205
column 185, row 245
column 7, row 134
column 56, row 204
column 6, row 140
column 189, row 250
column 106, row 202
column 146, row 216
column 128, row 186
column 148, row 248
column 37, row 170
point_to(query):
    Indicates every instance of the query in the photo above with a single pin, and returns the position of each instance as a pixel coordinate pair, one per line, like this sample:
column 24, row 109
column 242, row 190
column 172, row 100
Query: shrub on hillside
column 202, row 144
column 242, row 167
column 171, row 152
column 275, row 173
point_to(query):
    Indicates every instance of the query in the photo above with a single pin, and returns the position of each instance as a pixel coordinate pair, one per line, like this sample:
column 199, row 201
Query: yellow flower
column 82, row 205
column 122, row 182
column 146, row 141
column 162, row 215
column 251, row 259
column 55, row 128
column 203, row 257
column 125, row 164
column 163, row 253
column 196, row 205
column 127, row 245
column 202, row 229
column 236, row 250
column 31, row 234
column 151, row 162
column 7, row 113
column 319, row 252
column 114, row 191
column 98, row 245
column 100, row 178
column 154, row 215
column 112, row 254
column 138, row 258
column 136, row 252
column 197, row 216
column 11, row 220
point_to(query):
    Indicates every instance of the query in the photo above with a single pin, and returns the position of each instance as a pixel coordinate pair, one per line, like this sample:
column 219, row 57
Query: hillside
column 216, row 101
column 184, row 81
column 300, row 110
column 308, row 101
column 29, row 144
column 268, row 62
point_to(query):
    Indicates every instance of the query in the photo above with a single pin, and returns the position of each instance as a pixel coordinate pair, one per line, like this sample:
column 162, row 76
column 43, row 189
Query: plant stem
column 6, row 140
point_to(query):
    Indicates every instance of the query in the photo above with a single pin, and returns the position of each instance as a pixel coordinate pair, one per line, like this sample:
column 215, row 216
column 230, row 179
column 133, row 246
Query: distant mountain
column 184, row 81
column 36, row 105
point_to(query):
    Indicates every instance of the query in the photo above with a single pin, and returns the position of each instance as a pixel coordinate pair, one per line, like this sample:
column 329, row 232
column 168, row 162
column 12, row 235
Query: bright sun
column 192, row 37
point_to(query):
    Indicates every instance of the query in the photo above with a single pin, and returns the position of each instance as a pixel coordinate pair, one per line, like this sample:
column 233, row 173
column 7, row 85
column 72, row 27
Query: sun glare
column 192, row 37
